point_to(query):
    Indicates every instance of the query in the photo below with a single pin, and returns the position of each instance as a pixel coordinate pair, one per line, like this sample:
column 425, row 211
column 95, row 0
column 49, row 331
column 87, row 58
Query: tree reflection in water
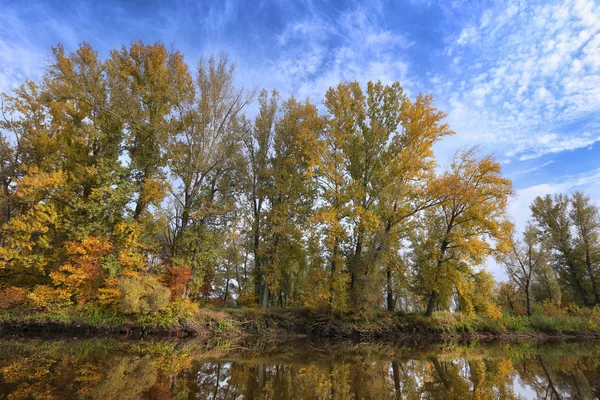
column 108, row 369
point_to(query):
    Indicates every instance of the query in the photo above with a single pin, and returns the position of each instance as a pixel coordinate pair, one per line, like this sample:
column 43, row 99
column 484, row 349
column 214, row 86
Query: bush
column 514, row 323
column 47, row 298
column 142, row 295
column 11, row 297
column 452, row 322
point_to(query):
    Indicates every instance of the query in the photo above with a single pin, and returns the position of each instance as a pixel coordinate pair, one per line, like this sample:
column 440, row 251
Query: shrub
column 452, row 322
column 551, row 308
column 247, row 299
column 183, row 308
column 142, row 295
column 108, row 296
column 514, row 323
column 12, row 296
column 48, row 298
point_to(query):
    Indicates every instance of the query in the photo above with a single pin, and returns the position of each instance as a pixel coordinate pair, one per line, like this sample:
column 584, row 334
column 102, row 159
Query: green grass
column 301, row 320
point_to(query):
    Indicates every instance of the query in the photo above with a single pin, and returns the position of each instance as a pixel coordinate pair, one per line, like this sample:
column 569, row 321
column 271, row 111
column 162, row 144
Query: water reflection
column 109, row 369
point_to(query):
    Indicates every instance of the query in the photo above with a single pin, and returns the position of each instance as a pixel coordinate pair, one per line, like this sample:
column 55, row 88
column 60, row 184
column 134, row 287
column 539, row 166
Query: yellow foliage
column 142, row 295
column 108, row 296
column 130, row 248
column 48, row 298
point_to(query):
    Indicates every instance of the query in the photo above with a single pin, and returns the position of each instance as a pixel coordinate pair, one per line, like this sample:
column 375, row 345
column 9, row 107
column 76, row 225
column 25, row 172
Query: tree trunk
column 332, row 277
column 265, row 296
column 581, row 290
column 257, row 263
column 550, row 381
column 528, row 298
column 442, row 373
column 390, row 291
column 588, row 264
column 226, row 292
column 356, row 263
column 434, row 295
column 396, row 373
column 432, row 303
column 140, row 205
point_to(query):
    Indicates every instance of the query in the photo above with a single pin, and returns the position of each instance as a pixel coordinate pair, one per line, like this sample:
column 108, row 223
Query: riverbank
column 242, row 322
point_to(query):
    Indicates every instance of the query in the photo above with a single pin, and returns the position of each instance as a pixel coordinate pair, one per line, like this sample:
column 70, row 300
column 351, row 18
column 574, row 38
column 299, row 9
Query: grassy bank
column 237, row 322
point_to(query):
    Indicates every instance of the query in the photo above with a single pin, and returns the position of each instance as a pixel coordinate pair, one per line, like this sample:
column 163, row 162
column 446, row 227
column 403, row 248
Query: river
column 109, row 368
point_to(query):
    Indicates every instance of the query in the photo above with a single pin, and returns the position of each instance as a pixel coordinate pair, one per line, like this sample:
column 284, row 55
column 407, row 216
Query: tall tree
column 525, row 261
column 551, row 216
column 384, row 154
column 258, row 148
column 146, row 81
column 463, row 229
column 204, row 154
column 585, row 217
column 291, row 197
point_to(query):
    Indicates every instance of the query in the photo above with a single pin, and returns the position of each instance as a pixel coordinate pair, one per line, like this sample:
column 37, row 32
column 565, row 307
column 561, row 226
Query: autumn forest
column 140, row 185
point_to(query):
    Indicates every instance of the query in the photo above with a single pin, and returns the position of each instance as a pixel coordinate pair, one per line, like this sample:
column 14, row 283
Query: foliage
column 44, row 297
column 135, row 185
column 142, row 295
column 12, row 296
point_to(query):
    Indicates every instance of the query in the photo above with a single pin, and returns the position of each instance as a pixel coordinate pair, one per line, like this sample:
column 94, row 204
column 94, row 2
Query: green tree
column 525, row 261
column 554, row 221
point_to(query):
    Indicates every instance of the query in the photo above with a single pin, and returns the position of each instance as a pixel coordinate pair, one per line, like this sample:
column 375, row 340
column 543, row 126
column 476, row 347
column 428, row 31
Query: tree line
column 557, row 259
column 138, row 184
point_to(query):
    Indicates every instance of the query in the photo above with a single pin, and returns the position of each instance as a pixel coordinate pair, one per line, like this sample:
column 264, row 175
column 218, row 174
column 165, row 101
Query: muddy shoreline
column 274, row 329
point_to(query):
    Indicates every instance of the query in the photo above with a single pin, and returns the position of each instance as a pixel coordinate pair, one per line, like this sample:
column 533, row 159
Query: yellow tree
column 469, row 225
column 146, row 81
column 291, row 197
column 407, row 184
column 332, row 217
column 381, row 159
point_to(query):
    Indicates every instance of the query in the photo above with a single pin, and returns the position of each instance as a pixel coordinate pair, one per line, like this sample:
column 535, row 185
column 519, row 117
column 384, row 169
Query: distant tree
column 570, row 228
column 525, row 261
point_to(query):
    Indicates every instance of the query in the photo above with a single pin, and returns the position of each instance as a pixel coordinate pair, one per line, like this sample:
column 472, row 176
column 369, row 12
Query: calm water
column 112, row 369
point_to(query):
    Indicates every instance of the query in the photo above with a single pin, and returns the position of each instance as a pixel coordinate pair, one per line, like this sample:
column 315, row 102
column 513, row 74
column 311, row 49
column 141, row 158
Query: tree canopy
column 140, row 185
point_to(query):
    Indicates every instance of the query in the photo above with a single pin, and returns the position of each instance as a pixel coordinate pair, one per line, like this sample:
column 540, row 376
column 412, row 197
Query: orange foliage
column 178, row 279
column 82, row 273
column 12, row 296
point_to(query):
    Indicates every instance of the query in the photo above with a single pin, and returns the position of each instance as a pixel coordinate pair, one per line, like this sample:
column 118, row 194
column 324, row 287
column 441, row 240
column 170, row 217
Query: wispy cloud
column 321, row 50
column 588, row 182
column 533, row 169
column 19, row 57
column 527, row 70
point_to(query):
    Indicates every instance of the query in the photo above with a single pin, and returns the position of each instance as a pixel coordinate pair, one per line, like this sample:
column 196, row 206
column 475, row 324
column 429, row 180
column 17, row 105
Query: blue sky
column 519, row 78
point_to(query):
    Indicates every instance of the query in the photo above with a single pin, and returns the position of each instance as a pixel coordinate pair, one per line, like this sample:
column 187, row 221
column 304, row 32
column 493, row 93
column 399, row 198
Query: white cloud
column 589, row 182
column 526, row 76
column 533, row 169
column 317, row 52
column 19, row 57
column 468, row 35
